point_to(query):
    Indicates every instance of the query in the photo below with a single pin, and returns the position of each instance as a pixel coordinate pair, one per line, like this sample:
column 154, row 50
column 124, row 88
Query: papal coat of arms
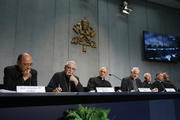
column 85, row 33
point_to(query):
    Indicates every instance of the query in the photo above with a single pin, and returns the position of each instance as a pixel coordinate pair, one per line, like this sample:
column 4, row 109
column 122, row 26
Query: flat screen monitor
column 161, row 47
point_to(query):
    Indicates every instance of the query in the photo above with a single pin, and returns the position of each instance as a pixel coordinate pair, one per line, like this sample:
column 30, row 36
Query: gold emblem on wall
column 85, row 33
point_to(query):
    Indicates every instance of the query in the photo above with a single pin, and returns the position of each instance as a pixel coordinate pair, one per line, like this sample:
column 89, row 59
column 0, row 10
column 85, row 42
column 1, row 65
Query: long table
column 124, row 106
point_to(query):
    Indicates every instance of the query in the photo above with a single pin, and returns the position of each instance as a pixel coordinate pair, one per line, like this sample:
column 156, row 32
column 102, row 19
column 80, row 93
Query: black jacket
column 13, row 77
column 97, row 82
column 60, row 79
column 159, row 85
column 162, row 85
column 127, row 85
column 147, row 85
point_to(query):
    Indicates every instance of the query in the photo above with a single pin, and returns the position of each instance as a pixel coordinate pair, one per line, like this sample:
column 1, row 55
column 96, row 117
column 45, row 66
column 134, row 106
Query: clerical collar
column 160, row 81
column 101, row 78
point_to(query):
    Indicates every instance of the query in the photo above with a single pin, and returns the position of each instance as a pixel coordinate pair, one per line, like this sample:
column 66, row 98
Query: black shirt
column 97, row 82
column 13, row 77
column 147, row 84
column 60, row 79
column 159, row 84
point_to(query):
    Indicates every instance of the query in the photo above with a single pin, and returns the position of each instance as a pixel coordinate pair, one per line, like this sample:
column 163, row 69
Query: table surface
column 49, row 98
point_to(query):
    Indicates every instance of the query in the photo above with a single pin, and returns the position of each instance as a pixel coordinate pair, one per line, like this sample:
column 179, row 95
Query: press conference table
column 125, row 106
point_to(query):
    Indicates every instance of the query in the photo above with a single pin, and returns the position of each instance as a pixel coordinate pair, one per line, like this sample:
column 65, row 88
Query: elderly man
column 99, row 81
column 65, row 81
column 132, row 83
column 161, row 84
column 20, row 74
column 147, row 82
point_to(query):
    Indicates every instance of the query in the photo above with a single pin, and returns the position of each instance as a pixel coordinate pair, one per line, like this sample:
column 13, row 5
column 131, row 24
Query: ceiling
column 169, row 3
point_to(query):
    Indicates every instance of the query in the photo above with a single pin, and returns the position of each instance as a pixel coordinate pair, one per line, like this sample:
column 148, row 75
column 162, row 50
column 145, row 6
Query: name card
column 170, row 90
column 30, row 89
column 144, row 89
column 105, row 89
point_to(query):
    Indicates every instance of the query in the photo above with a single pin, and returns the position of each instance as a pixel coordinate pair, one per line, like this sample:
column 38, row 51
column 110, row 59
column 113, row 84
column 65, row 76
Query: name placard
column 144, row 89
column 105, row 89
column 170, row 90
column 30, row 89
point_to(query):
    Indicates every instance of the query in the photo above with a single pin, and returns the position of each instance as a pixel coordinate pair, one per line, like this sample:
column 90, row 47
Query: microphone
column 116, row 87
column 115, row 76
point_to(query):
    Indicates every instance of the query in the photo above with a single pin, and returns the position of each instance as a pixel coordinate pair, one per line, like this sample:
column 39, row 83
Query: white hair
column 104, row 67
column 71, row 61
column 135, row 69
column 145, row 74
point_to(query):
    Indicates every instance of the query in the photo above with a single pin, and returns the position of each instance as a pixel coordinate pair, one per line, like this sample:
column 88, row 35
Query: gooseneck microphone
column 115, row 76
column 116, row 87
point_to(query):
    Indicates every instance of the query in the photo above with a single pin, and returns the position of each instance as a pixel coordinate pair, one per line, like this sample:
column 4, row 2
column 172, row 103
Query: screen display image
column 160, row 47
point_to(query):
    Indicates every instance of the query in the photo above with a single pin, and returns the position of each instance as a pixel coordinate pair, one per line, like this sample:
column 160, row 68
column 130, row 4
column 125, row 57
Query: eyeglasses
column 27, row 64
column 71, row 68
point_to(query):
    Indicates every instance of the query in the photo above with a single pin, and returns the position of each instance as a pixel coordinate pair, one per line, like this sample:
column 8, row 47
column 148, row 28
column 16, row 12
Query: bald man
column 99, row 81
column 20, row 74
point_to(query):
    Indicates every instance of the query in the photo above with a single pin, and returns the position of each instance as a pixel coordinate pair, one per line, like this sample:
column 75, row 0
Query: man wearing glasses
column 65, row 81
column 20, row 74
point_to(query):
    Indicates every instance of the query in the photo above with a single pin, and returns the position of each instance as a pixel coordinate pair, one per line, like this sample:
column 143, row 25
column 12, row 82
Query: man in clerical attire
column 99, row 81
column 65, row 81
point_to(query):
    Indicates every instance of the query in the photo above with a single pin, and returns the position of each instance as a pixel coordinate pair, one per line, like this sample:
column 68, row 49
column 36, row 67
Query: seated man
column 167, row 82
column 159, row 82
column 99, row 81
column 21, row 74
column 65, row 81
column 147, row 82
column 132, row 83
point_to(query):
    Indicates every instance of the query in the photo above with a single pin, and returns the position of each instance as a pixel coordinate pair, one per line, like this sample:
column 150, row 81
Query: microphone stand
column 116, row 88
column 115, row 76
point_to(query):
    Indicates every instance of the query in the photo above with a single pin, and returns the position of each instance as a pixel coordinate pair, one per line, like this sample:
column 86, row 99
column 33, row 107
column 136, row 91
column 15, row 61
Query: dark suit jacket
column 169, row 84
column 159, row 85
column 60, row 79
column 13, row 77
column 127, row 85
column 147, row 85
column 162, row 85
column 97, row 82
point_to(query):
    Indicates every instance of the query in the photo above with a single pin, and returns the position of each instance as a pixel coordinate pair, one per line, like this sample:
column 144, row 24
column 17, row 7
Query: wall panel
column 8, row 20
column 44, row 29
column 87, row 62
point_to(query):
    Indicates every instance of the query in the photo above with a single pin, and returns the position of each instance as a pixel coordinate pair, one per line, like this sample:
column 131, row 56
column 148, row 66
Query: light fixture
column 125, row 9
